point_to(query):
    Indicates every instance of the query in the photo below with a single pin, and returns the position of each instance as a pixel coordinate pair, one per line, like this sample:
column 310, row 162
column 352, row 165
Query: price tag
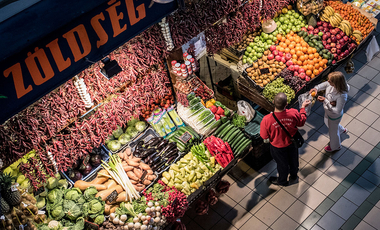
column 2, row 217
column 143, row 175
column 111, row 197
column 186, row 137
column 41, row 212
column 39, row 191
column 264, row 70
column 16, row 184
column 25, row 205
column 13, row 188
column 90, row 225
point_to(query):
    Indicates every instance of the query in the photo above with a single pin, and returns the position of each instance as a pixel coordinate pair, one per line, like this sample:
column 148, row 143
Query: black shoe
column 293, row 180
column 274, row 180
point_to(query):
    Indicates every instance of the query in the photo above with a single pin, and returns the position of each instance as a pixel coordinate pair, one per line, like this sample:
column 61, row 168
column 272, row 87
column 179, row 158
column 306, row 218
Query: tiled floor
column 335, row 191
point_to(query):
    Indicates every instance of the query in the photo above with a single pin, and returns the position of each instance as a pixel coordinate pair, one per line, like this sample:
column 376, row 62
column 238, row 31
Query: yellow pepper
column 213, row 101
column 203, row 103
column 209, row 104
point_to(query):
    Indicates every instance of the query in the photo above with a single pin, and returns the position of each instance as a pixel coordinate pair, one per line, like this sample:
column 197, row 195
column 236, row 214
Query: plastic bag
column 245, row 109
column 304, row 97
column 372, row 49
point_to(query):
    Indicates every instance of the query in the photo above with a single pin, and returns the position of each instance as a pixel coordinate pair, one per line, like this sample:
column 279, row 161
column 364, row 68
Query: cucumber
column 192, row 132
column 236, row 146
column 225, row 131
column 229, row 133
column 231, row 137
column 221, row 128
column 170, row 135
column 181, row 131
column 237, row 138
column 242, row 147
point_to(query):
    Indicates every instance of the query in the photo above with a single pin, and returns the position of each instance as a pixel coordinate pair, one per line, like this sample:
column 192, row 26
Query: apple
column 307, row 78
column 338, row 51
column 281, row 54
column 319, row 23
column 270, row 56
column 324, row 43
column 328, row 34
column 333, row 39
column 333, row 45
column 302, row 76
column 338, row 36
column 301, row 70
column 296, row 67
column 346, row 52
column 278, row 58
column 333, row 50
column 289, row 63
column 335, row 55
column 320, row 34
column 329, row 26
column 341, row 41
column 291, row 67
column 283, row 60
column 275, row 52
column 310, row 28
column 328, row 47
column 325, row 24
column 272, row 48
column 316, row 31
column 288, row 56
column 303, row 29
column 296, row 73
column 333, row 62
column 321, row 28
column 346, row 38
column 329, row 40
column 338, row 46
column 334, row 31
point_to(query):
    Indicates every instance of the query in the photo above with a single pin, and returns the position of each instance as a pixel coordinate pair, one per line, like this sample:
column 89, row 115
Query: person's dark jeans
column 287, row 162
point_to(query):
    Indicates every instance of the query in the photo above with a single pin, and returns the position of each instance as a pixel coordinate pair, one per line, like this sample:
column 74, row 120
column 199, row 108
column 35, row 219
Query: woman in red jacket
column 282, row 149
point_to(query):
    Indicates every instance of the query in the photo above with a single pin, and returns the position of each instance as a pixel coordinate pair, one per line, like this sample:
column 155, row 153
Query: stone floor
column 335, row 191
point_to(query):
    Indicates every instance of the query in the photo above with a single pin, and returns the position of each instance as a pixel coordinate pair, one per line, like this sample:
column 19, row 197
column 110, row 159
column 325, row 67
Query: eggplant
column 149, row 158
column 140, row 144
column 152, row 142
column 170, row 153
column 147, row 153
column 158, row 165
column 162, row 144
column 168, row 148
column 154, row 160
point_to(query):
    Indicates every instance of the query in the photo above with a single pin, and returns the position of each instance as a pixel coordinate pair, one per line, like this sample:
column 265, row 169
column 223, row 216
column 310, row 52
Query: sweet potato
column 144, row 166
column 137, row 172
column 130, row 162
column 132, row 176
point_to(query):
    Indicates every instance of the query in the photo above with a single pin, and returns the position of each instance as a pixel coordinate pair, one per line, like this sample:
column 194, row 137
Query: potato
column 266, row 52
column 265, row 82
column 271, row 62
column 249, row 69
column 253, row 78
column 261, row 85
column 265, row 58
column 255, row 65
column 259, row 80
column 250, row 74
column 260, row 62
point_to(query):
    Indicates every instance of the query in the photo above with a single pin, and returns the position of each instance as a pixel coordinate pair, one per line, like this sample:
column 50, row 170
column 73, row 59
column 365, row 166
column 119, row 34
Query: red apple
column 283, row 60
column 272, row 48
column 296, row 73
column 301, row 70
column 278, row 58
column 270, row 56
column 296, row 67
column 291, row 67
column 288, row 56
column 333, row 44
column 281, row 54
column 307, row 78
column 333, row 50
column 316, row 31
column 304, row 29
column 310, row 28
column 302, row 75
column 289, row 63
column 275, row 52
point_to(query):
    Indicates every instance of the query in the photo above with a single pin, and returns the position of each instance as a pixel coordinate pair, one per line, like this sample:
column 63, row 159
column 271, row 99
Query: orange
column 287, row 50
column 314, row 50
column 325, row 61
column 309, row 50
column 283, row 39
column 294, row 60
column 284, row 45
column 291, row 39
column 315, row 72
column 320, row 69
column 279, row 36
column 316, row 66
column 311, row 57
column 310, row 67
column 316, row 55
column 298, row 45
column 299, row 62
column 291, row 46
column 315, row 60
column 297, row 40
column 321, row 63
column 299, row 53
column 313, row 94
column 293, row 51
column 291, row 33
column 312, row 76
column 305, row 63
column 304, row 44
column 302, row 58
column 287, row 41
column 294, row 56
column 304, row 49
column 308, row 72
column 281, row 49
column 310, row 62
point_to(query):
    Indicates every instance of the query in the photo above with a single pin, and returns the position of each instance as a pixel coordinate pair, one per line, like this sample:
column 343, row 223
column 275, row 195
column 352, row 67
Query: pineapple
column 11, row 197
column 4, row 206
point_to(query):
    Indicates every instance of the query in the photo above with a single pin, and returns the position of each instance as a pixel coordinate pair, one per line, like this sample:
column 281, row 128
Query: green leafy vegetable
column 132, row 131
column 239, row 121
column 72, row 209
column 116, row 133
column 73, row 194
column 132, row 122
column 99, row 219
column 95, row 207
column 140, row 126
column 114, row 145
column 124, row 138
column 90, row 193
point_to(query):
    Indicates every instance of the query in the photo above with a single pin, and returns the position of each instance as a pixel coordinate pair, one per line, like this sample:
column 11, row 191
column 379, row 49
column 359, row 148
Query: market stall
column 133, row 148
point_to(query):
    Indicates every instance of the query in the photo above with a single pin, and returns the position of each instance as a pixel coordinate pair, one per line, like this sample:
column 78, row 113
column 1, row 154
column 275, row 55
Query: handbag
column 297, row 139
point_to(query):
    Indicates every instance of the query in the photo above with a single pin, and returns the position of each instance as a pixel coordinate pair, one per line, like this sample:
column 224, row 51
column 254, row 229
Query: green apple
column 249, row 49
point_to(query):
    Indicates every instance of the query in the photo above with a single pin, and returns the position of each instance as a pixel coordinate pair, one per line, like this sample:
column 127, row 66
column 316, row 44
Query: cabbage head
column 90, row 193
column 124, row 138
column 140, row 126
column 73, row 194
column 62, row 183
column 55, row 195
column 71, row 209
column 52, row 183
column 54, row 225
column 114, row 145
column 116, row 133
column 132, row 122
column 132, row 131
column 95, row 207
column 110, row 138
column 99, row 219
column 57, row 213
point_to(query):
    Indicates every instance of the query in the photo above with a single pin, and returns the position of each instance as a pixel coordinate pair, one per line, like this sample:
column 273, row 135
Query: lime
column 292, row 20
column 253, row 59
column 266, row 36
column 296, row 15
column 270, row 36
column 246, row 53
column 269, row 42
column 286, row 22
column 282, row 19
column 275, row 39
column 294, row 29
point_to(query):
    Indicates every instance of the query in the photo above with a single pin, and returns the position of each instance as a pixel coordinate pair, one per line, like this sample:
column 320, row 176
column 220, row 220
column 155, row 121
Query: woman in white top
column 333, row 103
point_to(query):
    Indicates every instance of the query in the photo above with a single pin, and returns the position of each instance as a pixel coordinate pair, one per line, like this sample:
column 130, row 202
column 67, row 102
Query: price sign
column 90, row 225
column 41, row 212
column 264, row 70
column 39, row 191
column 111, row 197
column 143, row 175
column 186, row 137
column 13, row 188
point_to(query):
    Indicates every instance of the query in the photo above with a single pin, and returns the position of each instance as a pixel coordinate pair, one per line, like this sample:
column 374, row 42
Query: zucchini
column 221, row 128
column 237, row 138
column 230, row 138
column 236, row 146
column 242, row 147
column 229, row 133
column 225, row 131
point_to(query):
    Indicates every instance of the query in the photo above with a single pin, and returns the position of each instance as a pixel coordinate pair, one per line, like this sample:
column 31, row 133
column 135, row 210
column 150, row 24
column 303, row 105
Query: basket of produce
column 307, row 7
column 85, row 168
column 278, row 86
column 201, row 90
column 247, row 39
column 121, row 137
column 253, row 127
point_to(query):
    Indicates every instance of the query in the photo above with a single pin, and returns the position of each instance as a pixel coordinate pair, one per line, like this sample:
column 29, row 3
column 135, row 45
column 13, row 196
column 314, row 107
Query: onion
column 143, row 218
column 112, row 216
column 137, row 225
column 158, row 214
column 131, row 225
column 158, row 209
column 147, row 210
column 157, row 219
column 146, row 222
column 139, row 215
column 144, row 227
column 152, row 209
column 126, row 227
column 121, row 222
column 136, row 219
column 148, row 217
column 150, row 204
column 123, row 218
column 157, row 204
column 116, row 221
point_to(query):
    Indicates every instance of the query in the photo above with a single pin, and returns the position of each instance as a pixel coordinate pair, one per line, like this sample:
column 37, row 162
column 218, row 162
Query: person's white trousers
column 335, row 130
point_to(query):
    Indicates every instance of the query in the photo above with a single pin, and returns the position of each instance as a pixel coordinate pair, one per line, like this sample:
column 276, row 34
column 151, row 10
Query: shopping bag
column 245, row 109
column 302, row 98
column 372, row 49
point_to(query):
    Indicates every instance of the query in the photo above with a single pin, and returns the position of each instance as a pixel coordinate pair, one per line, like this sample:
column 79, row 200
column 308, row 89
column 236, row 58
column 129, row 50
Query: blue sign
column 50, row 61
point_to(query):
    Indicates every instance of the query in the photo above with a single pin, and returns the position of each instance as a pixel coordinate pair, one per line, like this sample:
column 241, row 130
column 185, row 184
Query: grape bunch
column 278, row 86
column 294, row 82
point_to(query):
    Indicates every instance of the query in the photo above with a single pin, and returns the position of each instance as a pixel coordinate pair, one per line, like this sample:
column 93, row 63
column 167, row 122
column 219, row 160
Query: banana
column 325, row 18
column 339, row 17
column 329, row 10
